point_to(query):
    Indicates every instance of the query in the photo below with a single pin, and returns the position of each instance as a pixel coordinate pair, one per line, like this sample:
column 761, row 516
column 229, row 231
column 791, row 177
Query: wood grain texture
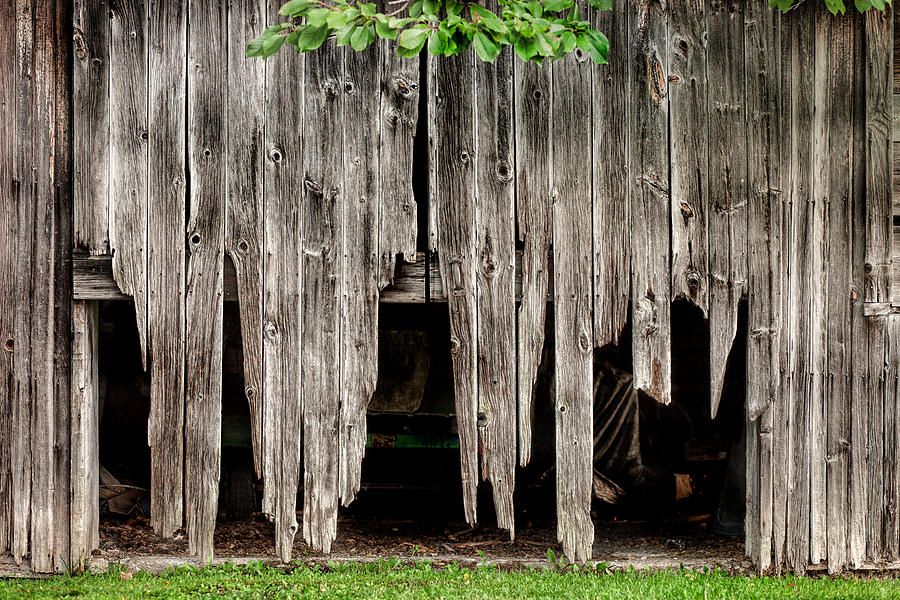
column 495, row 219
column 167, row 185
column 875, row 441
column 532, row 154
column 129, row 155
column 205, row 242
column 84, row 435
column 90, row 132
column 727, row 215
column 322, row 223
column 879, row 45
column 573, row 301
column 245, row 156
column 611, row 209
column 361, row 228
column 453, row 203
column 891, row 462
column 283, row 289
column 648, row 168
column 689, row 145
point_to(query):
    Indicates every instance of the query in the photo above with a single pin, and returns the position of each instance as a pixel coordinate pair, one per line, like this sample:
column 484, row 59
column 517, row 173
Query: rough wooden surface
column 571, row 193
column 648, row 169
column 205, row 242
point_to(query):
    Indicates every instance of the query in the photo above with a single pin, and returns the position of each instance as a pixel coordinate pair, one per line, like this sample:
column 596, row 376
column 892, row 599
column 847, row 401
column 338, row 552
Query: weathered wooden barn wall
column 728, row 153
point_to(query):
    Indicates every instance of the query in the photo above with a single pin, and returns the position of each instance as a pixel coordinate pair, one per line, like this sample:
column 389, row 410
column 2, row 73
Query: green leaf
column 489, row 19
column 567, row 41
column 601, row 4
column 557, row 5
column 542, row 43
column 294, row 8
column 437, row 43
column 535, row 8
column 385, row 31
column 416, row 8
column 412, row 38
column 485, row 47
column 836, row 6
column 317, row 17
column 272, row 45
column 359, row 40
column 526, row 48
column 337, row 19
column 342, row 36
column 431, row 7
column 368, row 10
column 255, row 47
column 312, row 38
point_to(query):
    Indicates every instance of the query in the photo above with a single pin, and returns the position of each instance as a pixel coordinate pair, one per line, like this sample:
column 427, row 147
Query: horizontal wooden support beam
column 92, row 279
column 880, row 309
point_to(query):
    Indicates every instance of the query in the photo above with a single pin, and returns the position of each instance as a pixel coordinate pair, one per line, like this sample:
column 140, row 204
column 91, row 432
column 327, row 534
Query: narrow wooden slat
column 90, row 102
column 322, row 227
column 611, row 211
column 84, row 435
column 205, row 241
column 838, row 228
column 8, row 214
column 244, row 203
column 573, row 294
column 532, row 148
column 879, row 44
column 689, row 148
column 648, row 169
column 129, row 155
column 495, row 215
column 166, row 266
column 875, row 443
column 892, row 440
column 727, row 214
column 361, row 238
column 282, row 292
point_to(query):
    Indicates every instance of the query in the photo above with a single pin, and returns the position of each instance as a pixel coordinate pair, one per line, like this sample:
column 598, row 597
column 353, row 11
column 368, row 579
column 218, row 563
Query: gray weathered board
column 710, row 162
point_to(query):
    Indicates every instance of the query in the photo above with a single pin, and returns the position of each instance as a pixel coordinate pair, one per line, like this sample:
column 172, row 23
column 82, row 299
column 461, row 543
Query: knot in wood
column 330, row 88
column 563, row 408
column 504, row 171
column 271, row 330
column 404, row 88
column 275, row 154
column 482, row 419
column 195, row 239
column 686, row 211
column 488, row 265
column 8, row 345
column 243, row 246
column 250, row 391
column 585, row 342
column 537, row 94
column 580, row 55
column 349, row 87
column 78, row 44
column 464, row 157
column 656, row 79
column 454, row 344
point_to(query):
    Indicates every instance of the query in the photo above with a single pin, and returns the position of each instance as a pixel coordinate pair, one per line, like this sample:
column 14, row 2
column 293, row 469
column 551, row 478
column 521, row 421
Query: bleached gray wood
column 283, row 290
column 167, row 184
column 648, row 169
column 129, row 155
column 573, row 294
column 84, row 435
column 245, row 158
column 611, row 210
column 879, row 44
column 495, row 221
column 689, row 144
column 453, row 203
column 322, row 224
column 892, row 440
column 8, row 218
column 361, row 227
column 532, row 155
column 875, row 443
column 90, row 131
column 727, row 214
column 205, row 242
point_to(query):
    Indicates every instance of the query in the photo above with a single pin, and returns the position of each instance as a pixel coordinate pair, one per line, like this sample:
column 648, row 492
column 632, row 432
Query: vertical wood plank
column 205, row 242
column 166, row 266
column 879, row 45
column 611, row 212
column 648, row 160
column 495, row 278
column 573, row 294
column 322, row 230
column 84, row 435
column 875, row 443
column 727, row 216
column 90, row 132
column 8, row 213
column 360, row 244
column 244, row 203
column 892, row 440
column 282, row 289
column 453, row 202
column 129, row 154
column 689, row 149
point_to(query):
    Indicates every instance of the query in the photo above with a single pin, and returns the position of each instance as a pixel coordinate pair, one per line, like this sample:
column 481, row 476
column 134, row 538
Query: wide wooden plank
column 573, row 294
column 361, row 228
column 90, row 131
column 205, row 242
column 689, row 144
column 282, row 290
column 84, row 435
column 245, row 154
column 495, row 221
column 727, row 214
column 879, row 46
column 167, row 183
column 648, row 159
column 322, row 227
column 452, row 186
column 129, row 155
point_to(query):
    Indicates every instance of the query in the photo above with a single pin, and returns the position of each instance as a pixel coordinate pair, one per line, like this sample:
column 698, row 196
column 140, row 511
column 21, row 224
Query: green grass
column 390, row 579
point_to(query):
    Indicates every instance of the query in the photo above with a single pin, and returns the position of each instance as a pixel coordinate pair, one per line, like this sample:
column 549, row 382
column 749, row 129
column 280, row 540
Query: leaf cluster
column 537, row 30
column 835, row 6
